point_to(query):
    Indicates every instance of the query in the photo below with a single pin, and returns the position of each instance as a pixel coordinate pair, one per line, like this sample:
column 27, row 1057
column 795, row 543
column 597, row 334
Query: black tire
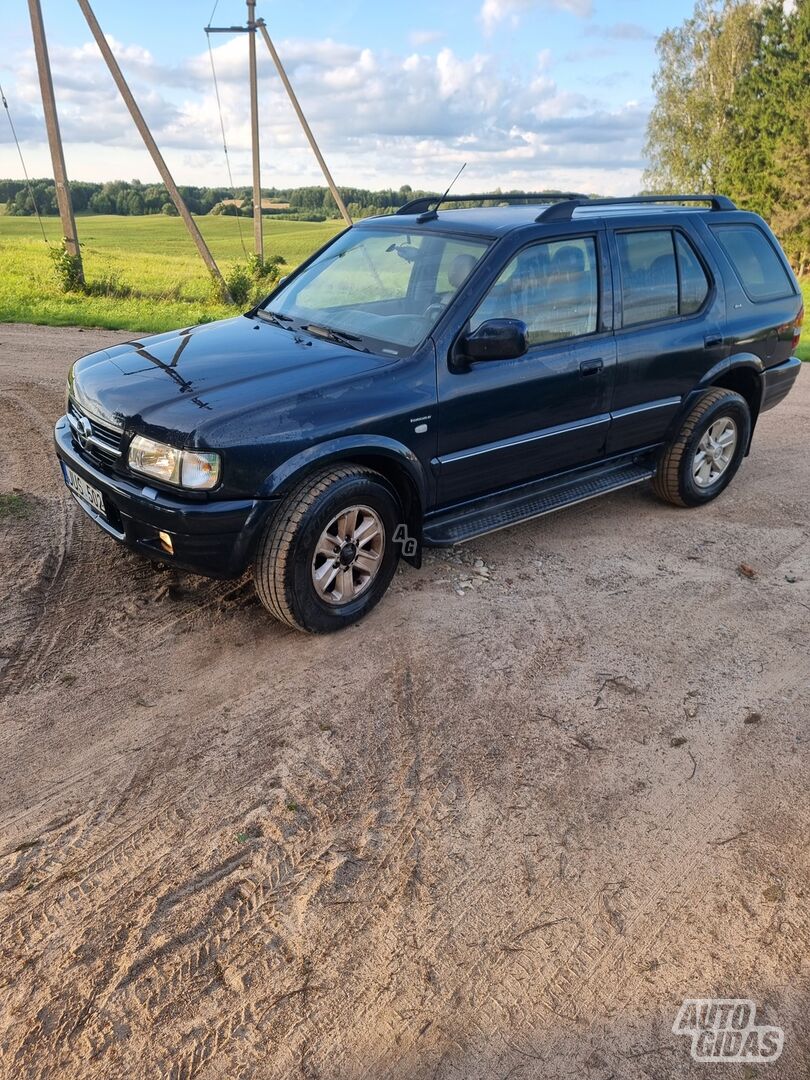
column 284, row 559
column 674, row 480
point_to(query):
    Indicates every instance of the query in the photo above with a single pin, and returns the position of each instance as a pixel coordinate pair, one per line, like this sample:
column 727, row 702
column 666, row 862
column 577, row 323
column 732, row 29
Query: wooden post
column 54, row 137
column 152, row 146
column 307, row 129
column 258, row 237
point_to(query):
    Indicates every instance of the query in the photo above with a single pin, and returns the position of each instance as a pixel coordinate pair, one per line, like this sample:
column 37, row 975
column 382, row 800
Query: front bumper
column 215, row 537
column 777, row 382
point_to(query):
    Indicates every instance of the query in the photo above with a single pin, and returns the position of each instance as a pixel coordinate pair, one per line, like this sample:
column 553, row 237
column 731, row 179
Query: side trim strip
column 522, row 440
column 663, row 403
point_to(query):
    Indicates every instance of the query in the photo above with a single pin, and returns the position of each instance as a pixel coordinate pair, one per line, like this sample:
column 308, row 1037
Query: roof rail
column 564, row 211
column 425, row 202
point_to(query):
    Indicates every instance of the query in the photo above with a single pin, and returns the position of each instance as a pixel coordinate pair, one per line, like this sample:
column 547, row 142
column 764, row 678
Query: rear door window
column 755, row 262
column 661, row 276
column 649, row 276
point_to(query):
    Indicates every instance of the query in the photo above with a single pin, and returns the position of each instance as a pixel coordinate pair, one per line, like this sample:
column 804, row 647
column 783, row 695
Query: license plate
column 86, row 492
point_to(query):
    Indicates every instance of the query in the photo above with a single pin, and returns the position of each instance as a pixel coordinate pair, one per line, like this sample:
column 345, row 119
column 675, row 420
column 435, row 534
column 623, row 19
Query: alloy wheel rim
column 348, row 555
column 715, row 452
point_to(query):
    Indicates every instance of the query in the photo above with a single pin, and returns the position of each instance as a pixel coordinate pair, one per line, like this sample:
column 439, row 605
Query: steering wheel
column 434, row 311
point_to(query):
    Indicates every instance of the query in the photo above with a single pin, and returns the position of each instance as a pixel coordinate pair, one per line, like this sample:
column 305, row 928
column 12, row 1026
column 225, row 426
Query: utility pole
column 258, row 238
column 303, row 121
column 54, row 137
column 252, row 25
column 152, row 146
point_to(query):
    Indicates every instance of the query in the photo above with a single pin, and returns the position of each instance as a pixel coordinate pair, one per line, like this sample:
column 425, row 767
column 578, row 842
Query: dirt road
column 498, row 834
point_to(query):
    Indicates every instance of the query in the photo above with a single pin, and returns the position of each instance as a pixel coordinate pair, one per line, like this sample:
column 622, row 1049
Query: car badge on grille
column 84, row 430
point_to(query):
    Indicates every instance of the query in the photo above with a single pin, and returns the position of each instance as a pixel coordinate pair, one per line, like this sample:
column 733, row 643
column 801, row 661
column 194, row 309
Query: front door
column 505, row 422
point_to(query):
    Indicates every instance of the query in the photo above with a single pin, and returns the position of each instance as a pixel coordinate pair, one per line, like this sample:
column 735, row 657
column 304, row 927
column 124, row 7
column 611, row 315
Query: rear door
column 669, row 312
column 505, row 422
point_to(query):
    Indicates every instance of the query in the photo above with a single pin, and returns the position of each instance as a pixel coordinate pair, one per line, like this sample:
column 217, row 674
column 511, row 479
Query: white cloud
column 382, row 119
column 419, row 38
column 620, row 31
column 545, row 59
column 494, row 12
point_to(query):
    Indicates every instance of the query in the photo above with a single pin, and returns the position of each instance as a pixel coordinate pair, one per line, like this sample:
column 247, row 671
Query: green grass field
column 150, row 270
column 148, row 267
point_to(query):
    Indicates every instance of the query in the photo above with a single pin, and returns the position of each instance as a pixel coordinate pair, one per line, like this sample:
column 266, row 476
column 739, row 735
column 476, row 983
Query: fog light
column 166, row 542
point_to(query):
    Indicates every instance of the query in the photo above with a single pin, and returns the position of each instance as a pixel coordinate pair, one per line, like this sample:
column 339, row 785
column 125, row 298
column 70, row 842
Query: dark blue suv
column 433, row 375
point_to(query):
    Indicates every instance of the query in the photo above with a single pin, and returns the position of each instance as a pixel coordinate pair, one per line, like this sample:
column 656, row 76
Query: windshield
column 378, row 289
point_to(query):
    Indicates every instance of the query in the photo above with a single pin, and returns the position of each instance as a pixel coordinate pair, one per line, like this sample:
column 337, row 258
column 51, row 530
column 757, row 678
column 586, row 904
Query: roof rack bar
column 425, row 202
column 564, row 211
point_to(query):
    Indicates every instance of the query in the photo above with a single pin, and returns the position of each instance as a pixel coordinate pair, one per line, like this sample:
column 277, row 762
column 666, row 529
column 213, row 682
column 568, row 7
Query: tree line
column 132, row 198
column 115, row 197
column 732, row 112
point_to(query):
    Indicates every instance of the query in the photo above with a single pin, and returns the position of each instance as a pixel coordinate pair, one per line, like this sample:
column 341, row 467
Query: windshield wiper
column 274, row 317
column 342, row 337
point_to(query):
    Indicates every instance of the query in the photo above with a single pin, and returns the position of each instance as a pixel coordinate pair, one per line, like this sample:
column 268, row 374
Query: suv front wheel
column 328, row 554
column 701, row 460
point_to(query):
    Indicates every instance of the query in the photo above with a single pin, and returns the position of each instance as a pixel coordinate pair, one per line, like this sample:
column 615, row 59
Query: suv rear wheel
column 328, row 555
column 702, row 459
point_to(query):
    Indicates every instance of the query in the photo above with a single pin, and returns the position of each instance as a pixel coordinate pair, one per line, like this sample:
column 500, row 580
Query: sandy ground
column 494, row 835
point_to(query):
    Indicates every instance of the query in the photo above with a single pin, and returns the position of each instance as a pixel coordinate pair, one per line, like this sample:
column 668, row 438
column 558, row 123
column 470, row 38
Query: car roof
column 485, row 220
column 492, row 221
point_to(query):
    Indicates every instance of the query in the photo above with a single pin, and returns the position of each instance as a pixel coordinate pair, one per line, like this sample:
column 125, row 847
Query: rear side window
column 694, row 286
column 661, row 276
column 758, row 267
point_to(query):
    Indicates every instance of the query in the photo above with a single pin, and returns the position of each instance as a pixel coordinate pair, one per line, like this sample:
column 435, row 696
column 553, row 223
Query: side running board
column 499, row 512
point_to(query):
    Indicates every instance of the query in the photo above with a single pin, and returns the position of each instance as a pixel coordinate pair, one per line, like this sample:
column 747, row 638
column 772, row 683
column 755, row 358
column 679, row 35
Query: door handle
column 712, row 341
column 591, row 367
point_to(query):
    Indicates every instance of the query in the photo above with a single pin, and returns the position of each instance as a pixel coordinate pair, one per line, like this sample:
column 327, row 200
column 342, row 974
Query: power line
column 222, row 129
column 22, row 162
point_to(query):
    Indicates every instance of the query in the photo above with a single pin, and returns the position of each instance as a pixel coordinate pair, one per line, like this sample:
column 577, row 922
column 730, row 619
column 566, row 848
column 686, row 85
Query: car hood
column 191, row 380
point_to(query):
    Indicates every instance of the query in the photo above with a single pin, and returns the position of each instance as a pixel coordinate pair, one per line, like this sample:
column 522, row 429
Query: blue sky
column 531, row 94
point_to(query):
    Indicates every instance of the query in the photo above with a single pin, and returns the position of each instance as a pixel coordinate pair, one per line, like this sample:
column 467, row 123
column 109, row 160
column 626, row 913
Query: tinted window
column 693, row 282
column 649, row 276
column 758, row 266
column 552, row 287
column 457, row 263
column 379, row 285
column 363, row 273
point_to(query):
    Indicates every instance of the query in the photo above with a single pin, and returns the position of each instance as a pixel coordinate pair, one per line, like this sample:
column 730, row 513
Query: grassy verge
column 143, row 273
column 13, row 506
column 803, row 351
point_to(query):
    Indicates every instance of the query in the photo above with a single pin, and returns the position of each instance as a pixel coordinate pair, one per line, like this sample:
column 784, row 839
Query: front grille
column 93, row 436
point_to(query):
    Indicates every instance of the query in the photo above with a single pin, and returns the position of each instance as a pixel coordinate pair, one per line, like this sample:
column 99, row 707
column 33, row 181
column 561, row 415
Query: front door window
column 552, row 287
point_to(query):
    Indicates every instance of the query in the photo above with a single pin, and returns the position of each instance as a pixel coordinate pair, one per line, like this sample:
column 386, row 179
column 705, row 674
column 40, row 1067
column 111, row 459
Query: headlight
column 184, row 468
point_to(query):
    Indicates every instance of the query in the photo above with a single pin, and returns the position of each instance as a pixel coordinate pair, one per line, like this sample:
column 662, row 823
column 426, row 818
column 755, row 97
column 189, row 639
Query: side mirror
column 495, row 339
